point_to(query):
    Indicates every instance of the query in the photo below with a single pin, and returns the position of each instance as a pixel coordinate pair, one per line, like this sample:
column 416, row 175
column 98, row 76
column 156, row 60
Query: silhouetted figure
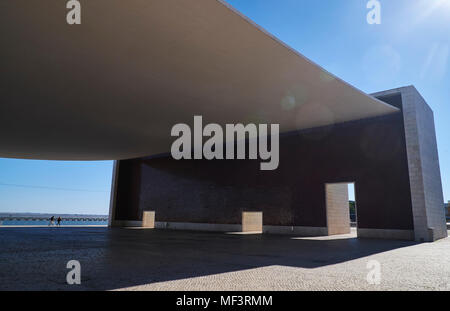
column 52, row 219
column 58, row 221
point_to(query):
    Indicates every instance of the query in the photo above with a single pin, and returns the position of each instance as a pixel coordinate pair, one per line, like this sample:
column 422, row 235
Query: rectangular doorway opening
column 352, row 206
column 252, row 222
column 340, row 208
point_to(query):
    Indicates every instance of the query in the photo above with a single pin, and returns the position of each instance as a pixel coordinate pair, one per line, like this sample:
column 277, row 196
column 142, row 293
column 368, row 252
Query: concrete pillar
column 148, row 219
column 252, row 221
column 424, row 171
column 338, row 210
column 423, row 164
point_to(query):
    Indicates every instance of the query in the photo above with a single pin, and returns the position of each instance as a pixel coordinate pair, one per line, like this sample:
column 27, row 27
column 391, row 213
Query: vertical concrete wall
column 338, row 213
column 423, row 165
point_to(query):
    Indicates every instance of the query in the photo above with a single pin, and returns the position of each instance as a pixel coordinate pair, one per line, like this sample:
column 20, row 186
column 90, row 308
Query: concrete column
column 423, row 164
column 252, row 221
column 148, row 219
column 338, row 210
column 424, row 171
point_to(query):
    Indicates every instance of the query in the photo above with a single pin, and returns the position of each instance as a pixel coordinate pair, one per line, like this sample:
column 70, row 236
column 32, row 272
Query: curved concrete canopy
column 113, row 87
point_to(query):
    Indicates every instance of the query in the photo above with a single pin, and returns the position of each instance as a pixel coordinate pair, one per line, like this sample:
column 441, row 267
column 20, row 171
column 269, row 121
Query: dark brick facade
column 369, row 152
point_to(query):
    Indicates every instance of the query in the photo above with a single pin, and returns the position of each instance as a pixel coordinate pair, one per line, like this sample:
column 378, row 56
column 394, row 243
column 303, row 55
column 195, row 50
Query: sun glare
column 439, row 4
column 426, row 8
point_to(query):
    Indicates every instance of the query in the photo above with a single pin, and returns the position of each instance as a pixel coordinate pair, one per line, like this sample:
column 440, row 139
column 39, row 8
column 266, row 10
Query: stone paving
column 36, row 258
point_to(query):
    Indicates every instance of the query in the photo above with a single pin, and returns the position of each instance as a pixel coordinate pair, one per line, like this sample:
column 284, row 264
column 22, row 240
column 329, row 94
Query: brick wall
column 370, row 152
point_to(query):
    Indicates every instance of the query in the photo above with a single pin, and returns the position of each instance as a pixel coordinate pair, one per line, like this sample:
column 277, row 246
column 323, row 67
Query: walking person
column 58, row 221
column 52, row 219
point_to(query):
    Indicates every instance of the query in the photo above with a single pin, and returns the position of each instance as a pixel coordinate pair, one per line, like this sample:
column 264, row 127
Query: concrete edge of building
column 268, row 229
column 190, row 226
column 393, row 234
column 126, row 223
column 198, row 226
column 304, row 231
column 300, row 230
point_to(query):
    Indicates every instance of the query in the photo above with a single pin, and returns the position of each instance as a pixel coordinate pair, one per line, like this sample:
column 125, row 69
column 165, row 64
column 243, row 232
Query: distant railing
column 48, row 219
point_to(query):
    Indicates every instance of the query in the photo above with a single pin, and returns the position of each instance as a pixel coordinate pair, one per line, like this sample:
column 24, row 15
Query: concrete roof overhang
column 113, row 87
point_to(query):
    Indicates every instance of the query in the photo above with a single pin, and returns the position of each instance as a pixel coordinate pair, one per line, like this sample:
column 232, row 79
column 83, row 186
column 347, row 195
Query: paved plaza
column 138, row 259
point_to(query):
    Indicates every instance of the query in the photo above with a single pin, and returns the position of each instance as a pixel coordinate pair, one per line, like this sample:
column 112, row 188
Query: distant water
column 44, row 223
column 42, row 219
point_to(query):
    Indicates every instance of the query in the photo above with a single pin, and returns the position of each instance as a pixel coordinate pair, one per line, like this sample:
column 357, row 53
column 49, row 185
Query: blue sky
column 55, row 186
column 410, row 46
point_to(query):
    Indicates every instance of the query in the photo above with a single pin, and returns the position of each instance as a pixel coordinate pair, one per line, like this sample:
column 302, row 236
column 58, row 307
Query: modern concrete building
column 113, row 87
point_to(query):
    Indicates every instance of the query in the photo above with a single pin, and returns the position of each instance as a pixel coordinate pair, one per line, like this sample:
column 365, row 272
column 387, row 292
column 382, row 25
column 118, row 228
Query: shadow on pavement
column 36, row 258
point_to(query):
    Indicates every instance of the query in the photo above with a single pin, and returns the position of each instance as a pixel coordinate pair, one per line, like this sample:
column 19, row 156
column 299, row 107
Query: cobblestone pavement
column 36, row 258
